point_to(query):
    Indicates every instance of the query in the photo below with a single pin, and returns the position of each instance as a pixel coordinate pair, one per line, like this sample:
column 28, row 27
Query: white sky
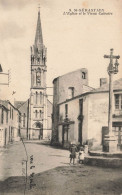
column 72, row 42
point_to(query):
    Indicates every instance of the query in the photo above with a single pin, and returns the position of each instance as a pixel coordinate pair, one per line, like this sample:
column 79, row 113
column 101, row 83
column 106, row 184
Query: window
column 36, row 97
column 70, row 92
column 118, row 101
column 40, row 97
column 66, row 110
column 83, row 75
column 24, row 120
column 38, row 77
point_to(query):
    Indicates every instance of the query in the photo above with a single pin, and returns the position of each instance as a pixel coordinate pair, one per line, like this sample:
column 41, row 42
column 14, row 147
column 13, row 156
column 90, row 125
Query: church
column 36, row 112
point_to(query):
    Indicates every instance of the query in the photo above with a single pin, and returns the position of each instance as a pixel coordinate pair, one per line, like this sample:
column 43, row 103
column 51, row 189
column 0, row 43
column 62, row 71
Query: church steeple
column 38, row 97
column 39, row 37
column 38, row 59
column 38, row 50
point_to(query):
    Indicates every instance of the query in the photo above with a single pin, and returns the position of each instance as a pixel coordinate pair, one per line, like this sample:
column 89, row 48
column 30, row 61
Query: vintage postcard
column 60, row 97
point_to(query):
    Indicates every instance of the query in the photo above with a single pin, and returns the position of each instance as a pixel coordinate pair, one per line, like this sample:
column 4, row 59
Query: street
column 44, row 158
column 49, row 173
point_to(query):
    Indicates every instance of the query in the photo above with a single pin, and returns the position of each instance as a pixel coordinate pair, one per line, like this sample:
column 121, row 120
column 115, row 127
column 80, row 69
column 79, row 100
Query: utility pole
column 112, row 69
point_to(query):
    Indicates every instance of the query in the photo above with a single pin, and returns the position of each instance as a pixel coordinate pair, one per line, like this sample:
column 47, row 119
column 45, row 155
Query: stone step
column 106, row 154
column 103, row 161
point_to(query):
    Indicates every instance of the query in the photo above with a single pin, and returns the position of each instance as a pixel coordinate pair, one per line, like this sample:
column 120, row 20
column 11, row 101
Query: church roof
column 39, row 37
column 18, row 104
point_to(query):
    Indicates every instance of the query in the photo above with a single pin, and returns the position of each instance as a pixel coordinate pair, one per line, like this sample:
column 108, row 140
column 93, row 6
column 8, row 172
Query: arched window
column 38, row 77
column 40, row 97
column 36, row 113
column 36, row 97
column 83, row 75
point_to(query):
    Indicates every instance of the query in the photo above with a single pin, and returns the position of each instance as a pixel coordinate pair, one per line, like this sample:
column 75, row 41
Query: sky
column 72, row 41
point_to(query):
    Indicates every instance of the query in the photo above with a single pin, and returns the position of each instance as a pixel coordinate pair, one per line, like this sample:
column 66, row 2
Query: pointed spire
column 38, row 37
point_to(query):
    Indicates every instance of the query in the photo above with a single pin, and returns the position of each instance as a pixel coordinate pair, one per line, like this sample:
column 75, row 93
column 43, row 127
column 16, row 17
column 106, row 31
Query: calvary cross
column 111, row 56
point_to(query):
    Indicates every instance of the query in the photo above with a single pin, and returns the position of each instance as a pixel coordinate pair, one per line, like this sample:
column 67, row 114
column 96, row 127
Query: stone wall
column 97, row 117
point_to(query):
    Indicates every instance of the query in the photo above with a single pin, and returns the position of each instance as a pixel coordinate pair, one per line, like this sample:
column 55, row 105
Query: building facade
column 3, row 124
column 23, row 107
column 10, row 123
column 66, row 87
column 84, row 118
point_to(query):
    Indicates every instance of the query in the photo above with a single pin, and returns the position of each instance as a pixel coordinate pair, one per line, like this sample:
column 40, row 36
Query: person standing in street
column 81, row 155
column 73, row 150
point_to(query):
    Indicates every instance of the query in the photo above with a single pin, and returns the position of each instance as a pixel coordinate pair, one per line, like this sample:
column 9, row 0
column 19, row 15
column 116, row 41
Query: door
column 41, row 133
column 65, row 134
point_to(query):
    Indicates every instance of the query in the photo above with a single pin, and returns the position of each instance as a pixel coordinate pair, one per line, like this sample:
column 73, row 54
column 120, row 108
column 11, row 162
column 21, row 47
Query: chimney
column 103, row 81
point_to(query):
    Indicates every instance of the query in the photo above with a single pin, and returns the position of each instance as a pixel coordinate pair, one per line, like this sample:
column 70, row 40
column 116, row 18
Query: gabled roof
column 18, row 104
column 117, row 85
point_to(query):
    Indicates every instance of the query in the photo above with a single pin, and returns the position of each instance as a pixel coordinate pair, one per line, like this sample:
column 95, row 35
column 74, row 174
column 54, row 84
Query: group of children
column 73, row 151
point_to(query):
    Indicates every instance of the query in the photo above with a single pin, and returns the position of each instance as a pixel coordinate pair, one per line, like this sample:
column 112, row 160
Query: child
column 81, row 155
column 73, row 150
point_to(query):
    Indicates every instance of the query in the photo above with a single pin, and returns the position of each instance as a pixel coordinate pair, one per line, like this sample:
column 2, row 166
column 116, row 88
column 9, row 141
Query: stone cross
column 111, row 56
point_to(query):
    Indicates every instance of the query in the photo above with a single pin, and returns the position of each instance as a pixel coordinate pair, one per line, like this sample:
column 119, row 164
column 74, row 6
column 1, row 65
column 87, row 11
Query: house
column 3, row 124
column 9, row 123
column 84, row 118
column 66, row 87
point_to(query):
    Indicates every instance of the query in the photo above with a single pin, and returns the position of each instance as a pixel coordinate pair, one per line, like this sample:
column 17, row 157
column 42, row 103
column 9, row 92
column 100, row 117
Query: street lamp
column 112, row 69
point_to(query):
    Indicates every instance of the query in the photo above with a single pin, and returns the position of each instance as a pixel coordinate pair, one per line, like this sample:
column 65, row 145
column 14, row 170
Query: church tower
column 38, row 96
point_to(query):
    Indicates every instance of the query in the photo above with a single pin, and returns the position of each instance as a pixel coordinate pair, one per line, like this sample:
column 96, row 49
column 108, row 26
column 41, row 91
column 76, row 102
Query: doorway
column 65, row 134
